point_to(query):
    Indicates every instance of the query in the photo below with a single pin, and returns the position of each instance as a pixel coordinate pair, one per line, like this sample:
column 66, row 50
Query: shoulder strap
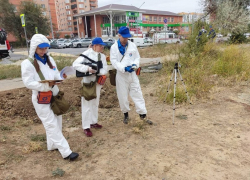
column 124, row 53
column 39, row 73
column 91, row 60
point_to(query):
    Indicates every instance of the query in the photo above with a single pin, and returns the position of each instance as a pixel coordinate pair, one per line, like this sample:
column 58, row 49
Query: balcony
column 73, row 6
column 74, row 11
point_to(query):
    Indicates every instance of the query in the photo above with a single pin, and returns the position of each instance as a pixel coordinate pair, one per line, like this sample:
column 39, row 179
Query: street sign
column 165, row 21
column 22, row 20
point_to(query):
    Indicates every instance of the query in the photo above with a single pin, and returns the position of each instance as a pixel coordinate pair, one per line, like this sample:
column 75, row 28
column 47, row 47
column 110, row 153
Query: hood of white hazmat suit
column 35, row 41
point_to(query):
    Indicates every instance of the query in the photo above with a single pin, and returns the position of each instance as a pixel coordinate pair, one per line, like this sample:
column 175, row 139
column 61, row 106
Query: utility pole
column 50, row 21
column 137, row 21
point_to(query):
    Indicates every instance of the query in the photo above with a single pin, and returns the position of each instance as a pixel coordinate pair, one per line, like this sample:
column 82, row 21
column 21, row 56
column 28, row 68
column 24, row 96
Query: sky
column 175, row 6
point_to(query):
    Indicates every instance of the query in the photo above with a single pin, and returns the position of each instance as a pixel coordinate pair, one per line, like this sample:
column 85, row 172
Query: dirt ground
column 209, row 140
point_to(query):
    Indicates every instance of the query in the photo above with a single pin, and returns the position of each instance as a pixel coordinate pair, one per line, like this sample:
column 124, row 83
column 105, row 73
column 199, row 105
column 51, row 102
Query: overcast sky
column 175, row 6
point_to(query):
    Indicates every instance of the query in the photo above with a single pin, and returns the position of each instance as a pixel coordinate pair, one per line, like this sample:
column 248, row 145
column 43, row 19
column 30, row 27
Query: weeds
column 38, row 137
column 33, row 147
column 58, row 172
column 9, row 71
column 5, row 128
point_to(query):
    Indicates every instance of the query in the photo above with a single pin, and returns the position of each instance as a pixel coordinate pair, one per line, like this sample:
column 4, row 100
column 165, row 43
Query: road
column 21, row 54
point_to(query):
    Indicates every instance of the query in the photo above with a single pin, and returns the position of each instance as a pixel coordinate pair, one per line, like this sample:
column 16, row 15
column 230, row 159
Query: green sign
column 36, row 30
column 22, row 20
column 132, row 14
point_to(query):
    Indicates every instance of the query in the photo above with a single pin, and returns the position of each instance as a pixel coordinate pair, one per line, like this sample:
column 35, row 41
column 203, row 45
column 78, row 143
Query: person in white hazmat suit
column 90, row 108
column 47, row 66
column 125, row 58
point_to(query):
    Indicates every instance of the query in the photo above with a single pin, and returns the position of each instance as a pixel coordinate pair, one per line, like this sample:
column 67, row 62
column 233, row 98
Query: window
column 70, row 28
column 81, row 6
column 150, row 18
column 66, row 1
column 123, row 18
column 159, row 19
column 43, row 5
column 105, row 20
column 75, row 23
column 171, row 36
column 68, row 12
column 155, row 18
column 67, row 7
column 80, row 0
column 75, row 28
column 81, row 11
column 172, row 19
column 92, row 2
column 168, row 19
column 69, row 23
column 69, row 17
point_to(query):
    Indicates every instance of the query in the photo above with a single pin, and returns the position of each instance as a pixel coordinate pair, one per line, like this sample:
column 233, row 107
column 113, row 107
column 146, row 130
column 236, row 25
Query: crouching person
column 37, row 67
column 92, row 66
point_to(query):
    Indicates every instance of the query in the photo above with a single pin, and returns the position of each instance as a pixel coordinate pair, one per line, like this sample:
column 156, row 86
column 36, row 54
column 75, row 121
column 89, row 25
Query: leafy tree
column 230, row 16
column 10, row 19
column 34, row 18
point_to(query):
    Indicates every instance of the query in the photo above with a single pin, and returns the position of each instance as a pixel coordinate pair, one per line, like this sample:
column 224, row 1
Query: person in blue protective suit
column 39, row 61
column 125, row 58
column 90, row 107
column 211, row 33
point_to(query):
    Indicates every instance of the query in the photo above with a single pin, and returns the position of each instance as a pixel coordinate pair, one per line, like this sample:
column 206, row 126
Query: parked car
column 108, row 44
column 68, row 43
column 61, row 42
column 82, row 43
column 54, row 45
column 110, row 40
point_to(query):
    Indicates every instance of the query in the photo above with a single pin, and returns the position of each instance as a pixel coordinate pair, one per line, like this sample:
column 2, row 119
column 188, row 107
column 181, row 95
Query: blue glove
column 129, row 69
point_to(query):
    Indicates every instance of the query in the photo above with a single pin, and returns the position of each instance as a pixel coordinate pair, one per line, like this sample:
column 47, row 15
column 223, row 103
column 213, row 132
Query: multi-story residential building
column 61, row 13
column 105, row 21
column 193, row 17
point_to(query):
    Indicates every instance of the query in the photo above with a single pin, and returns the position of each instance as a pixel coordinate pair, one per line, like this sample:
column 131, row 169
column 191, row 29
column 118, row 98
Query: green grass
column 10, row 71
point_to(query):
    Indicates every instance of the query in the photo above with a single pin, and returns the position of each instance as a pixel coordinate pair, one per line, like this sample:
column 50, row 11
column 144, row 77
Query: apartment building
column 105, row 21
column 193, row 16
column 61, row 13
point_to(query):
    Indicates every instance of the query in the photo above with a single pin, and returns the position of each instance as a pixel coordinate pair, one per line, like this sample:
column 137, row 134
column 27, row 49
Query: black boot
column 125, row 120
column 144, row 117
column 72, row 156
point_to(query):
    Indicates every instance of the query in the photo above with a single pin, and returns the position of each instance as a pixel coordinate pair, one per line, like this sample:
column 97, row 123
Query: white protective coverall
column 90, row 108
column 51, row 122
column 127, row 83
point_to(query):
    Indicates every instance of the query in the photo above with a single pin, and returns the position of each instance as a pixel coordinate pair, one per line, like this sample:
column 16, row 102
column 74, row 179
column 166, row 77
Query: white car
column 82, row 43
column 61, row 43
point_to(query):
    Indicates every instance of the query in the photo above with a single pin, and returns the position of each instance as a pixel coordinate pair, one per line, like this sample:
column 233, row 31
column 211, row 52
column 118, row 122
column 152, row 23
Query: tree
column 34, row 18
column 230, row 16
column 10, row 19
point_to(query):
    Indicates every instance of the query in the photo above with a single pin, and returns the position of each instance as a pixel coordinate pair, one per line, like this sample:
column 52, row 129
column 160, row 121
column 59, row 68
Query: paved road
column 21, row 54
